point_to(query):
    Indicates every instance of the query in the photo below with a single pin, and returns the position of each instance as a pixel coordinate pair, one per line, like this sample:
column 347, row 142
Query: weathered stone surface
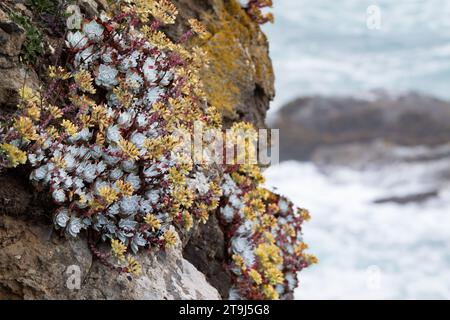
column 206, row 250
column 36, row 264
column 12, row 37
column 34, row 260
column 11, row 81
column 240, row 79
column 92, row 7
column 12, row 75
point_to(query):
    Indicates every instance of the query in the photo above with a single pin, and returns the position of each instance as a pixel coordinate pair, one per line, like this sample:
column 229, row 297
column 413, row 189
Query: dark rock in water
column 310, row 123
column 412, row 198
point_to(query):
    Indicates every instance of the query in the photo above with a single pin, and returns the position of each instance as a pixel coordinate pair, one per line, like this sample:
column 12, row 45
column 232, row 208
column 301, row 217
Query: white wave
column 325, row 47
column 367, row 250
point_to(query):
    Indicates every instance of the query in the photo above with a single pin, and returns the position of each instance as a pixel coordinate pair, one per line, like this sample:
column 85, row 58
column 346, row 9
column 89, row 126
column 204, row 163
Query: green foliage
column 43, row 6
column 32, row 48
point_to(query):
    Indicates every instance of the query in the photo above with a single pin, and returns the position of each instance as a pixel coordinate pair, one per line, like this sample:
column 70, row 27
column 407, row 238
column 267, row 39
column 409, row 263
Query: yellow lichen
column 233, row 55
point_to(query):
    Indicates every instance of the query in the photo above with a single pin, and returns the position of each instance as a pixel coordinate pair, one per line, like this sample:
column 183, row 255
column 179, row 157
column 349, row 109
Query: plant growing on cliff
column 263, row 231
column 102, row 141
column 254, row 9
column 109, row 160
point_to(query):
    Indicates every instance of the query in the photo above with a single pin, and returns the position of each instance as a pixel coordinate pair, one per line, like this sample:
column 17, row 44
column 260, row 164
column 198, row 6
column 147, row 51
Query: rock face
column 206, row 250
column 36, row 263
column 312, row 123
column 240, row 78
column 13, row 75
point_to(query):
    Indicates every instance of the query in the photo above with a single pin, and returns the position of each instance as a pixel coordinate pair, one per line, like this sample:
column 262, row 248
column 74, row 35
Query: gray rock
column 12, row 37
column 310, row 123
column 34, row 266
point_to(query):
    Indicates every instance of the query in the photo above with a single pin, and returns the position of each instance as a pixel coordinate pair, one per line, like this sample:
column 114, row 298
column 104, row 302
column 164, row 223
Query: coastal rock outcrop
column 36, row 262
column 310, row 124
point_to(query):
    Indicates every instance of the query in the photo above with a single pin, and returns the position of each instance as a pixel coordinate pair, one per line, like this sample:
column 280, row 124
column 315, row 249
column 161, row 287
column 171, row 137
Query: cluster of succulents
column 102, row 140
column 255, row 8
column 107, row 152
column 264, row 234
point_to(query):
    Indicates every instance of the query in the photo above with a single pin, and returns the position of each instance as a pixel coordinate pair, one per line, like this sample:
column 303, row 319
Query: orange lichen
column 233, row 55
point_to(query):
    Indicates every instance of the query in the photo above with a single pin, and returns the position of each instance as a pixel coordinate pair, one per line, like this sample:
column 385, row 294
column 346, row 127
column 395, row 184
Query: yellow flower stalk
column 123, row 94
column 274, row 275
column 239, row 261
column 268, row 254
column 170, row 238
column 34, row 112
column 119, row 249
column 203, row 213
column 157, row 38
column 58, row 73
column 268, row 221
column 83, row 79
column 311, row 259
column 59, row 161
column 304, row 214
column 177, row 177
column 183, row 196
column 188, row 220
column 298, row 249
column 52, row 132
column 153, row 222
column 269, row 237
column 290, row 231
column 55, row 112
column 125, row 188
column 249, row 213
column 270, row 292
column 26, row 129
column 199, row 28
column 14, row 154
column 163, row 10
column 133, row 266
column 27, row 96
column 108, row 194
column 129, row 149
column 69, row 127
column 256, row 277
column 100, row 139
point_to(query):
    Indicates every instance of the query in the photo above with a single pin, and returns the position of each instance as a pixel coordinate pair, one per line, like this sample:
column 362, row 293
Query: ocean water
column 367, row 250
column 325, row 47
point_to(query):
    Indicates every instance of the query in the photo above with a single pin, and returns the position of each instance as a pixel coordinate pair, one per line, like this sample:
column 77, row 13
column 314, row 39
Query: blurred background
column 364, row 118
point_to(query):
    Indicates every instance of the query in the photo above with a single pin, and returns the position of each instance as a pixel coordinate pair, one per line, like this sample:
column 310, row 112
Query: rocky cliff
column 36, row 262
